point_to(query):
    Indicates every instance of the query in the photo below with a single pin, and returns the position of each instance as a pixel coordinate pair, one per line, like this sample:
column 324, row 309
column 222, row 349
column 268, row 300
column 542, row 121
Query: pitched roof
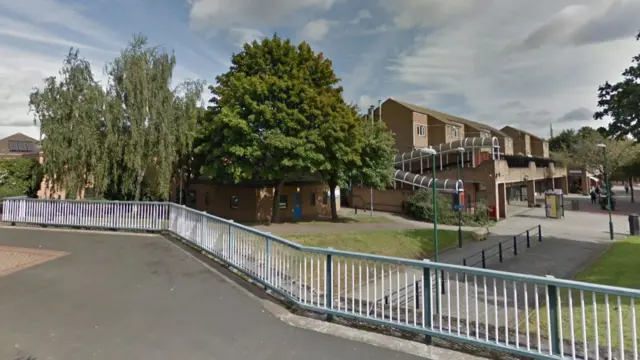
column 523, row 132
column 451, row 119
column 20, row 137
column 445, row 118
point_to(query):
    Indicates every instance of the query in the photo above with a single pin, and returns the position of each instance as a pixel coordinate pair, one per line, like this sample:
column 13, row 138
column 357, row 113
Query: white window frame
column 421, row 130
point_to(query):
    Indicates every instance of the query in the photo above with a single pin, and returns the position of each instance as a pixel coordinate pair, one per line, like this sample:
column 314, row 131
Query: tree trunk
column 139, row 185
column 332, row 197
column 633, row 197
column 275, row 211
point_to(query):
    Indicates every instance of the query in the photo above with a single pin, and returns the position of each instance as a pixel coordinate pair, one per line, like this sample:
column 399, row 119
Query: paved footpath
column 101, row 296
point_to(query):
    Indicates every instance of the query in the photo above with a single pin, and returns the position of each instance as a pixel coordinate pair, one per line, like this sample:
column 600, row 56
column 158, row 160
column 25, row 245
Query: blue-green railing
column 532, row 316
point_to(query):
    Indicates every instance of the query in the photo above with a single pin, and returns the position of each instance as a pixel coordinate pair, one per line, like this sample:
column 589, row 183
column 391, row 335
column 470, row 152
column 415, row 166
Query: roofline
column 524, row 132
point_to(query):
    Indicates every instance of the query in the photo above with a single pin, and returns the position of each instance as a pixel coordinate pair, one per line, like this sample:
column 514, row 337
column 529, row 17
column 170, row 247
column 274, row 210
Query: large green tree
column 269, row 110
column 124, row 139
column 152, row 124
column 69, row 109
column 343, row 141
column 586, row 153
column 621, row 101
column 376, row 156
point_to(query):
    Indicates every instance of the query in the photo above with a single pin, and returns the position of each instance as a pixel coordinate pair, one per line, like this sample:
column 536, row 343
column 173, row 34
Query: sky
column 523, row 63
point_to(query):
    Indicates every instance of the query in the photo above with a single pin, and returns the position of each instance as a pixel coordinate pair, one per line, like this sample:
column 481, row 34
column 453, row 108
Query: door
column 297, row 210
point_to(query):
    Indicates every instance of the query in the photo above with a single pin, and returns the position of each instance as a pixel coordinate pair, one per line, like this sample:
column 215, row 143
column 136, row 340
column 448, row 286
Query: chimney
column 550, row 130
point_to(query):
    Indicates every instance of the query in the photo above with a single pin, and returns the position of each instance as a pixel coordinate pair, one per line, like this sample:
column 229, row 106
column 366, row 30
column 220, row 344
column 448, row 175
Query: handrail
column 502, row 246
column 475, row 309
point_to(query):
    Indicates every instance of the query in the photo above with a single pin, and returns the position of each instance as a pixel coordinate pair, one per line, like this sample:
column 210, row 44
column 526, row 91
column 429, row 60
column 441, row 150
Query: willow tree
column 69, row 110
column 150, row 124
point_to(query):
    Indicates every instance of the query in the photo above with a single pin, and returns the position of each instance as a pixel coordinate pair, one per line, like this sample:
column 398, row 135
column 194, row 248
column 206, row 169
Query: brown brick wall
column 254, row 204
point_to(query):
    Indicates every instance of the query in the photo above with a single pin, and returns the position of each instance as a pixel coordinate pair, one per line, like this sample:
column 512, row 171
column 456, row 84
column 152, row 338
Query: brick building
column 499, row 167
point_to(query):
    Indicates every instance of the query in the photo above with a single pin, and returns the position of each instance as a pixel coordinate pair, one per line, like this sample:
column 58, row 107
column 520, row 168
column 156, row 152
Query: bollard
column 484, row 261
column 528, row 239
column 539, row 233
column 515, row 245
column 464, row 262
column 500, row 251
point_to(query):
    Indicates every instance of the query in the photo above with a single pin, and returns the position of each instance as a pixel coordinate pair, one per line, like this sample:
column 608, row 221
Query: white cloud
column 55, row 12
column 207, row 14
column 430, row 13
column 240, row 36
column 316, row 30
column 363, row 14
column 472, row 65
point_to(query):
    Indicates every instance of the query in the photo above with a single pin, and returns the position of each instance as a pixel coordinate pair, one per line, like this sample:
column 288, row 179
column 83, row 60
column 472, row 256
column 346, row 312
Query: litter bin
column 634, row 224
column 575, row 205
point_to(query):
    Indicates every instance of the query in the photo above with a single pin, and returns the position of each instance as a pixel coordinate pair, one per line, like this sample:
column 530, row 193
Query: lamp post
column 436, row 250
column 608, row 187
column 460, row 151
column 428, row 151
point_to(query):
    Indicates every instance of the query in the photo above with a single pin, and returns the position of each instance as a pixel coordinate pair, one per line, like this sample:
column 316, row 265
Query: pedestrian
column 626, row 188
column 593, row 195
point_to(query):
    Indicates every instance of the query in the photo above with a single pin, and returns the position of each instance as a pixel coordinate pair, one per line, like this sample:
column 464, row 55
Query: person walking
column 593, row 195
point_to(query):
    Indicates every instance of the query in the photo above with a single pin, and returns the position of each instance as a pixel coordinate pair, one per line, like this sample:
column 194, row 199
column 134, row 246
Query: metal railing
column 531, row 316
column 512, row 245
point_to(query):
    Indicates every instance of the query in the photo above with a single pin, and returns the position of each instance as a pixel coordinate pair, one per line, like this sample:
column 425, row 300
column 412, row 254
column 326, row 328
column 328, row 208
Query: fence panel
column 532, row 316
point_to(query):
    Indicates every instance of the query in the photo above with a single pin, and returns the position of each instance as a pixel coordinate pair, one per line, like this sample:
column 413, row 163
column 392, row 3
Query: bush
column 420, row 207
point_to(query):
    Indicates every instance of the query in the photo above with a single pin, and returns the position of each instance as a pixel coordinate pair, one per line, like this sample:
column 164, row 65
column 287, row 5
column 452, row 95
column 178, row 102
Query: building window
column 206, row 198
column 313, row 199
column 191, row 198
column 454, row 131
column 421, row 130
column 325, row 198
column 234, row 201
column 284, row 201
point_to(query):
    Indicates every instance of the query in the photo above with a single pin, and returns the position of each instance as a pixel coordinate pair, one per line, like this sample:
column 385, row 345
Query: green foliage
column 123, row 141
column 376, row 157
column 70, row 116
column 621, row 102
column 269, row 111
column 21, row 176
column 341, row 146
column 585, row 154
column 420, row 207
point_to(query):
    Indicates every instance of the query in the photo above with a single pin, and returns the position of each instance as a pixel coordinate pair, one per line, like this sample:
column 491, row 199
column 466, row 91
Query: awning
column 593, row 178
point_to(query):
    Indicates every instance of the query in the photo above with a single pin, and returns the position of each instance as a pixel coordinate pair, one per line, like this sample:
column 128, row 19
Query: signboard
column 575, row 172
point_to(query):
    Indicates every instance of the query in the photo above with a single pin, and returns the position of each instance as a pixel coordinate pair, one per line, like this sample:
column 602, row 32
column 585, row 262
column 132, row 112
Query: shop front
column 580, row 181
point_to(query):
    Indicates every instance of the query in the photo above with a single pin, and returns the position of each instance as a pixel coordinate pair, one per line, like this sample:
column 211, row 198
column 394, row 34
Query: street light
column 608, row 187
column 428, row 151
column 460, row 151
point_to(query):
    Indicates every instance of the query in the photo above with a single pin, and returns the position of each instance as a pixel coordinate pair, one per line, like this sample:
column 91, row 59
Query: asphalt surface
column 142, row 297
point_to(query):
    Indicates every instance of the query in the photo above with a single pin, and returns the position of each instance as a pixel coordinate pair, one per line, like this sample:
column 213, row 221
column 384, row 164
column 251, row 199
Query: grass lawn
column 619, row 266
column 349, row 220
column 410, row 244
